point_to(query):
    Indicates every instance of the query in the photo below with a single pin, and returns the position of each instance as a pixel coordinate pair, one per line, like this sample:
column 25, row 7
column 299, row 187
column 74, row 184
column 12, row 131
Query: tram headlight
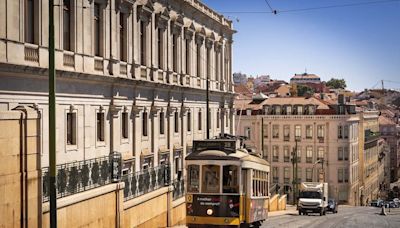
column 209, row 211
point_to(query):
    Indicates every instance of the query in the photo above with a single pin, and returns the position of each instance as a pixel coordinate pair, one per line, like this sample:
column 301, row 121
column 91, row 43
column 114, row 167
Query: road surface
column 347, row 216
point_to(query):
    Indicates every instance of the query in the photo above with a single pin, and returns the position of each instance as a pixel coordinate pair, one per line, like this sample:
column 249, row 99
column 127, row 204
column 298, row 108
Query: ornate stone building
column 131, row 76
column 131, row 81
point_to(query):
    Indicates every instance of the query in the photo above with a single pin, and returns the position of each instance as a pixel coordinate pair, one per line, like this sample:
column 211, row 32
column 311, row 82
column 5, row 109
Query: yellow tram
column 226, row 185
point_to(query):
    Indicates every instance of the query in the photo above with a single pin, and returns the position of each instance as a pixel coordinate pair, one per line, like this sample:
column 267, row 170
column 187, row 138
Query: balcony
column 275, row 158
column 69, row 59
column 31, row 53
column 286, row 138
column 371, row 136
column 321, row 139
column 145, row 181
column 76, row 177
column 286, row 159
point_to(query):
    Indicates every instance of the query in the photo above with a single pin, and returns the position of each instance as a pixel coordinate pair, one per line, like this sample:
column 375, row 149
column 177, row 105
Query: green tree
column 303, row 90
column 335, row 83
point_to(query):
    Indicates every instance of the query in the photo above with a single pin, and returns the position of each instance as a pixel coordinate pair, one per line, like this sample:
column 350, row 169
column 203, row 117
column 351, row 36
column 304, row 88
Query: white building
column 131, row 75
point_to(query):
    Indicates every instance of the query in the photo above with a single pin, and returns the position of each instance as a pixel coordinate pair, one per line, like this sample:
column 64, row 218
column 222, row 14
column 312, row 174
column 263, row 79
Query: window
column 178, row 164
column 340, row 175
column 309, row 154
column 199, row 121
column 265, row 131
column 340, row 153
column 162, row 123
column 122, row 37
column 288, row 110
column 321, row 152
column 346, row 131
column 159, row 48
column 277, row 110
column 298, row 154
column 147, row 162
column 286, row 174
column 247, row 132
column 67, row 25
column 275, row 131
column 210, row 179
column 174, row 53
column 346, row 153
column 230, row 183
column 286, row 132
column 309, row 175
column 176, row 122
column 144, row 124
column 297, row 132
column 346, row 175
column 189, row 121
column 30, row 21
column 320, row 131
column 275, row 177
column 142, row 36
column 193, row 178
column 218, row 119
column 275, row 153
column 309, row 131
column 299, row 175
column 286, row 154
column 97, row 29
column 125, row 126
column 198, row 64
column 340, row 132
column 299, row 110
column 71, row 128
column 260, row 183
column 100, row 126
column 187, row 59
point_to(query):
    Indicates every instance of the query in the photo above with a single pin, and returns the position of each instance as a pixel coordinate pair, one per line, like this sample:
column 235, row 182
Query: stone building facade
column 131, row 76
column 131, row 79
column 326, row 138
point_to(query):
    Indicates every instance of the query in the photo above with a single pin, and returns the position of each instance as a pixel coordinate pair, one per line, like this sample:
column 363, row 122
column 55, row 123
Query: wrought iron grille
column 145, row 181
column 84, row 175
column 179, row 189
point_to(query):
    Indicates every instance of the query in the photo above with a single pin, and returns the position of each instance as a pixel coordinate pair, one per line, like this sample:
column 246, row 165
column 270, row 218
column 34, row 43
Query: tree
column 335, row 83
column 303, row 90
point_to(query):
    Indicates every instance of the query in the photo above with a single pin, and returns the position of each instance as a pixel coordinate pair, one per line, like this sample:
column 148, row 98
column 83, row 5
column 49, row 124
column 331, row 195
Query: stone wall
column 19, row 172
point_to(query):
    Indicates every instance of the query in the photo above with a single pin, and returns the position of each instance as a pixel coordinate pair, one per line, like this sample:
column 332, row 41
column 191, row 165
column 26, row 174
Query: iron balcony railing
column 142, row 182
column 84, row 175
column 179, row 189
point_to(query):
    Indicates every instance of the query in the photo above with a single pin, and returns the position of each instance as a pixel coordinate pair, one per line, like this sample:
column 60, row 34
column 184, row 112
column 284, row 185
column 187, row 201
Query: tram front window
column 230, row 179
column 211, row 179
column 193, row 178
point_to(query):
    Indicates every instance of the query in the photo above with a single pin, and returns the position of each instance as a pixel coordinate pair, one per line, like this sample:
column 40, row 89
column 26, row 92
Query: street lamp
column 318, row 161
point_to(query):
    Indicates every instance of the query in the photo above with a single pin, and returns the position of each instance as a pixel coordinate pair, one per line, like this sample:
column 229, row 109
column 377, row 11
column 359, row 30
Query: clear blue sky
column 359, row 43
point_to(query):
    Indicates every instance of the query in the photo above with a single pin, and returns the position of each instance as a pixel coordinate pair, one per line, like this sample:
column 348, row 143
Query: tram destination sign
column 223, row 145
column 220, row 205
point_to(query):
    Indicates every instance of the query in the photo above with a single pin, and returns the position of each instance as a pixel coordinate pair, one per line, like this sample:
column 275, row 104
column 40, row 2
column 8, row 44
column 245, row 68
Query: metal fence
column 142, row 182
column 179, row 189
column 81, row 176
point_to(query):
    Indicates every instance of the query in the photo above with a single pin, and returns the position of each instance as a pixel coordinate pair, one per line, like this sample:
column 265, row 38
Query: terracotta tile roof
column 242, row 89
column 282, row 101
column 385, row 121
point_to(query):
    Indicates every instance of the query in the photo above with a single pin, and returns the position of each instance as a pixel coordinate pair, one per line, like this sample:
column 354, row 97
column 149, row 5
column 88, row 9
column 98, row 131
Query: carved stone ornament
column 144, row 12
column 209, row 43
column 162, row 19
column 125, row 6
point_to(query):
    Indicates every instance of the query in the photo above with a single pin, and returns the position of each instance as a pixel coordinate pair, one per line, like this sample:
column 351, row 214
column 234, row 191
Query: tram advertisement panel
column 213, row 205
column 258, row 210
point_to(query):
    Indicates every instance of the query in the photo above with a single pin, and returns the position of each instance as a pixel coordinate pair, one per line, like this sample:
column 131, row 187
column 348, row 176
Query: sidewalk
column 290, row 210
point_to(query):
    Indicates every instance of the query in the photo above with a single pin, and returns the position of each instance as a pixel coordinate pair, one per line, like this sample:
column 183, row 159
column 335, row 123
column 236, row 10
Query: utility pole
column 52, row 120
column 294, row 166
column 208, row 105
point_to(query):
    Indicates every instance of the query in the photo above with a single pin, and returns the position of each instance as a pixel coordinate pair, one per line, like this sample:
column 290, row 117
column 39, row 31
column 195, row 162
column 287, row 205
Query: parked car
column 374, row 203
column 392, row 204
column 332, row 206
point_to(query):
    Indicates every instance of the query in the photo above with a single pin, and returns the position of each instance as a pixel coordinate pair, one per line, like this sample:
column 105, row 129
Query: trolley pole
column 52, row 120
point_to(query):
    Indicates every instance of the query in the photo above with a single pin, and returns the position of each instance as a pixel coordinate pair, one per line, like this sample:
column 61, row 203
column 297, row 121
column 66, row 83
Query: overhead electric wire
column 272, row 10
column 310, row 8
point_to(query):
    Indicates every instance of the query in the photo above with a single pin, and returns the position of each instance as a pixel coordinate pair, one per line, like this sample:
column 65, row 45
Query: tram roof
column 238, row 155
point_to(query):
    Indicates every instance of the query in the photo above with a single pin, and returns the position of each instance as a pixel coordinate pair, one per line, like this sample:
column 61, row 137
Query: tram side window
column 230, row 179
column 260, row 183
column 211, row 179
column 193, row 178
